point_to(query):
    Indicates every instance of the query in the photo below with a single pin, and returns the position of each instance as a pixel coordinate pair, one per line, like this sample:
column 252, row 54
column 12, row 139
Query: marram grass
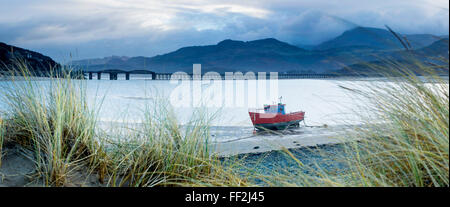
column 404, row 138
column 410, row 147
column 52, row 119
column 161, row 153
column 53, row 122
column 406, row 130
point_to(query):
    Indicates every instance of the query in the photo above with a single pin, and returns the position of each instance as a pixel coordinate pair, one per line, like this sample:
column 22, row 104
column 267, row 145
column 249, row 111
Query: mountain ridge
column 376, row 38
column 11, row 55
column 269, row 54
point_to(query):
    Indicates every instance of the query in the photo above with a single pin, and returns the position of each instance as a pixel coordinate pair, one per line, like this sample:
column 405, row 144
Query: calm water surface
column 124, row 101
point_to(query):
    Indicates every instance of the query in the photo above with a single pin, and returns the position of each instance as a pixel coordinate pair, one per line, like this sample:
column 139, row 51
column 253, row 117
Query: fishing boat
column 274, row 117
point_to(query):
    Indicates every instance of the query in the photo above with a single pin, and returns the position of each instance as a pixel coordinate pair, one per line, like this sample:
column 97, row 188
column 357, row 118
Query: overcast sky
column 90, row 29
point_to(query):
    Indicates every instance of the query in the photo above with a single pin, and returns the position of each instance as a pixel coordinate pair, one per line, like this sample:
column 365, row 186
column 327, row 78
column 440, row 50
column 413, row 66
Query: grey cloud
column 87, row 30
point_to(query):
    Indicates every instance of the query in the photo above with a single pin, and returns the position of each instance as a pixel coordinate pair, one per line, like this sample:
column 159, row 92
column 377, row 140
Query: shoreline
column 308, row 144
column 294, row 139
column 228, row 141
column 338, row 78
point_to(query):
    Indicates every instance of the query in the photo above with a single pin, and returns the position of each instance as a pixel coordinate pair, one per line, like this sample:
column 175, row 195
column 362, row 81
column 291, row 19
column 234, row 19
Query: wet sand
column 225, row 144
column 233, row 140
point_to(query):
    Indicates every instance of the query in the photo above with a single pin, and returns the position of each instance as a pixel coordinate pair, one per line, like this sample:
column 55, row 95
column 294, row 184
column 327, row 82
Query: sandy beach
column 234, row 140
column 17, row 167
column 18, row 170
column 270, row 141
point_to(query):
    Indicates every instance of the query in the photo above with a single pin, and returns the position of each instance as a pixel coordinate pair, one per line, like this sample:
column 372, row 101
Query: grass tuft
column 52, row 119
column 409, row 142
column 163, row 153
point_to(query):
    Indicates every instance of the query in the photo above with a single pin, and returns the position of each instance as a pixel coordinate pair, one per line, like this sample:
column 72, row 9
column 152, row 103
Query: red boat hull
column 276, row 120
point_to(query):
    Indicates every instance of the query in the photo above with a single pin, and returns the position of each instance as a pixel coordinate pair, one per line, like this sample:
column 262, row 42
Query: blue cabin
column 275, row 109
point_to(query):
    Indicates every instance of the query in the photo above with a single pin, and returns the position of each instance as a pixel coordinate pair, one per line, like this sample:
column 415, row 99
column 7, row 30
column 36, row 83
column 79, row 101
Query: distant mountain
column 228, row 55
column 418, row 41
column 438, row 48
column 374, row 38
column 435, row 54
column 263, row 55
column 361, row 44
column 36, row 61
column 304, row 46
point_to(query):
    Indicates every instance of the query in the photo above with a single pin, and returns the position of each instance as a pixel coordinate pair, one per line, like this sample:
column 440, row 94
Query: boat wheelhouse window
column 275, row 109
column 281, row 109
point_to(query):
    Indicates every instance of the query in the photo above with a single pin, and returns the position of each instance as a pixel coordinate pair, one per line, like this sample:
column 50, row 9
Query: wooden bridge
column 113, row 75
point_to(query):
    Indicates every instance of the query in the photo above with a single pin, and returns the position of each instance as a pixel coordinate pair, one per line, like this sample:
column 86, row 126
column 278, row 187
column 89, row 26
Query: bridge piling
column 112, row 76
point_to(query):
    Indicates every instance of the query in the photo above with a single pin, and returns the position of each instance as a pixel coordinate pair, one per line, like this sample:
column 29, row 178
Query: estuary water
column 227, row 102
column 324, row 101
